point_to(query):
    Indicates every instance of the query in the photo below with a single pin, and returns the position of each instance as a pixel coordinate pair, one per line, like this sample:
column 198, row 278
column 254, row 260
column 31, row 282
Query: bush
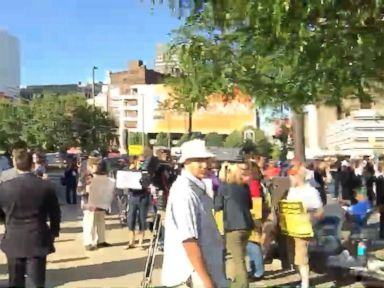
column 234, row 140
column 214, row 140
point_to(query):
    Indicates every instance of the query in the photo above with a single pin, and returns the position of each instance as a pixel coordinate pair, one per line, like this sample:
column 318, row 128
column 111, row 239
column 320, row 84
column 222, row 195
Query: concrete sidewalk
column 73, row 267
column 114, row 267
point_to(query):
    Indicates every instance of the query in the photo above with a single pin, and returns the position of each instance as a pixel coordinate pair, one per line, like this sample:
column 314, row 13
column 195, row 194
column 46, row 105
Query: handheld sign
column 257, row 208
column 129, row 180
column 294, row 220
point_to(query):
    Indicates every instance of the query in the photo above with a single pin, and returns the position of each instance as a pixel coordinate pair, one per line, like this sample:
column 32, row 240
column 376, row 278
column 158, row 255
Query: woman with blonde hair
column 234, row 199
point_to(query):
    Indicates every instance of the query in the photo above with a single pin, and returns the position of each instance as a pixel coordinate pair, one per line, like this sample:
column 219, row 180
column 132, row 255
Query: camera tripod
column 149, row 264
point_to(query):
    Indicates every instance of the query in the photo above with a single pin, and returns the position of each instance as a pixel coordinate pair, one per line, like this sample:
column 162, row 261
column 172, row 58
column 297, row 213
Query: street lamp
column 94, row 68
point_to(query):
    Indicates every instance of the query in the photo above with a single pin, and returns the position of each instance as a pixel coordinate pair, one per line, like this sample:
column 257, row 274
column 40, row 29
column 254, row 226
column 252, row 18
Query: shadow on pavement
column 99, row 271
column 272, row 275
column 80, row 229
column 68, row 260
column 64, row 240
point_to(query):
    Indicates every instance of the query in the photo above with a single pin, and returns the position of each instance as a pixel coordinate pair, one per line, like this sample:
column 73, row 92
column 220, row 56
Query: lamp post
column 143, row 120
column 94, row 68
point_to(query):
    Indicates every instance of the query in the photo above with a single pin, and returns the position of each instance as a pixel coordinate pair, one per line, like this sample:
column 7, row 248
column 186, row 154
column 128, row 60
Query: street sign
column 135, row 150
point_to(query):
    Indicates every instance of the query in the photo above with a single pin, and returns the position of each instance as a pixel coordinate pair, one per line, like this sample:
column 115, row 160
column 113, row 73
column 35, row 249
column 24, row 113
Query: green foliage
column 275, row 152
column 234, row 140
column 55, row 124
column 162, row 139
column 214, row 140
column 260, row 144
column 249, row 147
column 183, row 139
column 135, row 138
column 287, row 52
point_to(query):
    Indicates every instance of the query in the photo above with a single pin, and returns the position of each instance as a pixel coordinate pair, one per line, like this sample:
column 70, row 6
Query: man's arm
column 195, row 255
column 54, row 212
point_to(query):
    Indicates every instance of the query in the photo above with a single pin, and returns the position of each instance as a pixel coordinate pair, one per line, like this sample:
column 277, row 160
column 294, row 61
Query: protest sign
column 294, row 220
column 129, row 180
column 101, row 192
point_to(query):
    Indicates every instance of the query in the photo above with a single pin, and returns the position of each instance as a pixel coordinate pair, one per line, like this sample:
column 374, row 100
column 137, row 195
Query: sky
column 61, row 40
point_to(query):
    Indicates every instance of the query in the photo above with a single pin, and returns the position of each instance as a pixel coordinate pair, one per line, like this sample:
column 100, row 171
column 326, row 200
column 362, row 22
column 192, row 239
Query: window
column 132, row 113
column 131, row 102
column 249, row 135
column 130, row 124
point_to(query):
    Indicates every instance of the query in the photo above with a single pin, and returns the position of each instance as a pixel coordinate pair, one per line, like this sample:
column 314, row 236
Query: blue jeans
column 256, row 259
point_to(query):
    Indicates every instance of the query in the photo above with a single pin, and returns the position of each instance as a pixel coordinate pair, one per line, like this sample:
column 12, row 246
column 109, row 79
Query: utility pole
column 143, row 120
column 94, row 68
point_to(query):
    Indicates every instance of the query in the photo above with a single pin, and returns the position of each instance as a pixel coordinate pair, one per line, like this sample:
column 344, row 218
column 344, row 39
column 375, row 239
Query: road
column 114, row 267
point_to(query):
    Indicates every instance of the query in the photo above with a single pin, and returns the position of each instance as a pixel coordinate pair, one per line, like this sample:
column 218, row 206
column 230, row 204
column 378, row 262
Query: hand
column 209, row 284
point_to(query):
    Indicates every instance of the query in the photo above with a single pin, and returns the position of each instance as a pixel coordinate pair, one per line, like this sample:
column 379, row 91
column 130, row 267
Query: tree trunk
column 298, row 136
column 190, row 124
column 257, row 118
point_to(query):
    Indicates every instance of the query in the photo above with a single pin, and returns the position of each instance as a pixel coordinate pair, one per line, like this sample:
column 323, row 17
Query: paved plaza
column 73, row 267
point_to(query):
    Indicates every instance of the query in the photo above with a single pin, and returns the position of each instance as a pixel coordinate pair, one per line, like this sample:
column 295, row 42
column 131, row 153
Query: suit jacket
column 28, row 202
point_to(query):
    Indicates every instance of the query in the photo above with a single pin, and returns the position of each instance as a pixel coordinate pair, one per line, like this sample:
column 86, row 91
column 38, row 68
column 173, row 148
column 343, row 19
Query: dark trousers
column 33, row 267
column 382, row 223
column 71, row 194
column 138, row 208
column 323, row 195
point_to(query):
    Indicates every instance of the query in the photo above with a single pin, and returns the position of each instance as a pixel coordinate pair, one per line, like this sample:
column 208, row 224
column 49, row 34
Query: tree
column 183, row 139
column 259, row 144
column 234, row 140
column 249, row 147
column 214, row 140
column 11, row 125
column 55, row 123
column 162, row 139
column 289, row 52
column 134, row 138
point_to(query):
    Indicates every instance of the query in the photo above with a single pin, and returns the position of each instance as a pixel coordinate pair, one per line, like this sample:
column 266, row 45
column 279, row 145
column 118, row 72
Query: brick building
column 137, row 73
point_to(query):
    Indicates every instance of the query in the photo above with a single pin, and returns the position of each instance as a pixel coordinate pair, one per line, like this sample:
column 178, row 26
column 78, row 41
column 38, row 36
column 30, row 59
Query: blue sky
column 61, row 40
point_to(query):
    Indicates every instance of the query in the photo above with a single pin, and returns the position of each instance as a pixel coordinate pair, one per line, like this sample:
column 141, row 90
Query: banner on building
column 294, row 219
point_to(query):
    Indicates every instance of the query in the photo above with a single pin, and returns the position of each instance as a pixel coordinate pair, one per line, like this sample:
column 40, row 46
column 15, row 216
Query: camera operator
column 139, row 200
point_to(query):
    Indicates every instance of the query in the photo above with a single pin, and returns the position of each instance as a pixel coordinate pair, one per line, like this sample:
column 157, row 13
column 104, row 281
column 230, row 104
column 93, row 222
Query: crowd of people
column 208, row 258
column 212, row 222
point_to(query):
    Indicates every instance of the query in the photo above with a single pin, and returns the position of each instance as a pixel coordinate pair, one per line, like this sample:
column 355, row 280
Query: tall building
column 165, row 64
column 361, row 133
column 9, row 65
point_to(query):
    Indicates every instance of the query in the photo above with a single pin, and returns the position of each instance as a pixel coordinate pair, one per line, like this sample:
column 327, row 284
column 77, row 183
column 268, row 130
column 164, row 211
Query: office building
column 9, row 65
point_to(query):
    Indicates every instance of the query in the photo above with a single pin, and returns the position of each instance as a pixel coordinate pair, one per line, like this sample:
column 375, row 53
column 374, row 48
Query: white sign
column 101, row 192
column 128, row 180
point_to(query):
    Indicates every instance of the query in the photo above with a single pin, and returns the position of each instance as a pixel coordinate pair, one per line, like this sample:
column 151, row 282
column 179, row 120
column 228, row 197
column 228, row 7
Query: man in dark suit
column 28, row 202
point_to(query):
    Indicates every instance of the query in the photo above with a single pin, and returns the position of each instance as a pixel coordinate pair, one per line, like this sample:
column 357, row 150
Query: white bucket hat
column 194, row 149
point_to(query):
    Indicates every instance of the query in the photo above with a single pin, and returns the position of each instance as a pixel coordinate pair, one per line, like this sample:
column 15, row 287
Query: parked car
column 4, row 163
column 116, row 163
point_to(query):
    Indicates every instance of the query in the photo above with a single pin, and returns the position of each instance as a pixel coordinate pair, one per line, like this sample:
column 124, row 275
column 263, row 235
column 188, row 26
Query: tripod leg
column 158, row 229
column 151, row 253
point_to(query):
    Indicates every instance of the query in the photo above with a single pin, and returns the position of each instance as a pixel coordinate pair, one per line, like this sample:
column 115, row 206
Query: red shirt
column 255, row 188
column 272, row 172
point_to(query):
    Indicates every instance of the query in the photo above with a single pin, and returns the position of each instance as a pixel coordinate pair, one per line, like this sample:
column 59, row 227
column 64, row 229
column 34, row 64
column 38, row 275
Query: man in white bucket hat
column 193, row 248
